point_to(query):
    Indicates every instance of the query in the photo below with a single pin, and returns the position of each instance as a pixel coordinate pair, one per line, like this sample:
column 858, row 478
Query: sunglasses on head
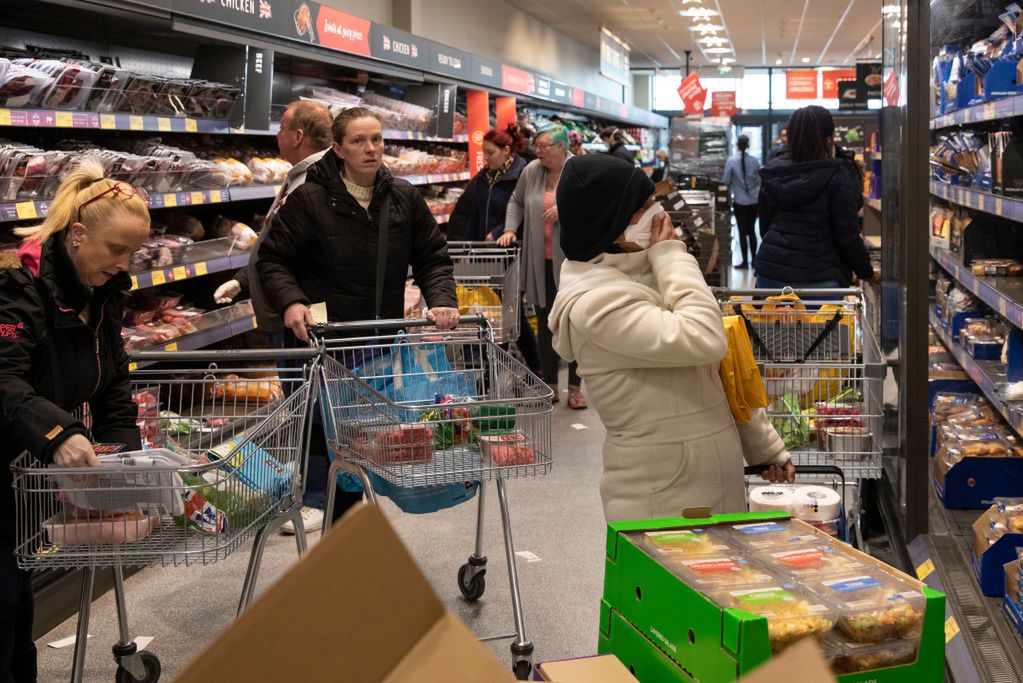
column 124, row 190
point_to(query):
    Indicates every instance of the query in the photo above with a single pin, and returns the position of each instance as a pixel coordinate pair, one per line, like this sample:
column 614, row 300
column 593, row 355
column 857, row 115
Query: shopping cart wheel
column 471, row 584
column 152, row 664
column 522, row 670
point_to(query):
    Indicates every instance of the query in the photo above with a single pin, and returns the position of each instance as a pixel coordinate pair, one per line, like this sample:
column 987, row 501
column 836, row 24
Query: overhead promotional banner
column 801, row 85
column 342, row 31
column 692, row 93
column 478, row 113
column 723, row 103
column 830, row 79
column 614, row 57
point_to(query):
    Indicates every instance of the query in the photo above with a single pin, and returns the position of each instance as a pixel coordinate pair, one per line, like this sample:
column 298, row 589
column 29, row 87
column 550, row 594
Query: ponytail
column 84, row 182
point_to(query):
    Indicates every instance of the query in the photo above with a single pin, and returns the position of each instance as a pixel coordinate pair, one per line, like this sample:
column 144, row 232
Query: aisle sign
column 394, row 45
column 614, row 57
column 801, row 85
column 478, row 109
column 723, row 103
column 340, row 31
column 830, row 79
column 517, row 80
column 692, row 93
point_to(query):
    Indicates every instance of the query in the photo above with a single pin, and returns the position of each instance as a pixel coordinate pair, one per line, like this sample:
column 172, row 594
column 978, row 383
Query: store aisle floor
column 557, row 517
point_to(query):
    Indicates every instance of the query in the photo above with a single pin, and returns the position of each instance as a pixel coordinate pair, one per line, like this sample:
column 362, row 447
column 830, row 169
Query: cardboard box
column 1010, row 603
column 598, row 669
column 989, row 560
column 354, row 608
column 802, row 662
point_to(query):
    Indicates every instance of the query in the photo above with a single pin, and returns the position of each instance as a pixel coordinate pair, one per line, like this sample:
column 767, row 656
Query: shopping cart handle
column 392, row 324
column 833, row 470
column 223, row 356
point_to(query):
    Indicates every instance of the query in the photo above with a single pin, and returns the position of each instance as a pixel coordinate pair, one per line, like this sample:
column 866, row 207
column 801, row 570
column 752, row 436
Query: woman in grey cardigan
column 533, row 217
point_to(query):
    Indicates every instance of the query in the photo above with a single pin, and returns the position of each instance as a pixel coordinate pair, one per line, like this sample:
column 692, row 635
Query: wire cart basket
column 487, row 280
column 385, row 424
column 226, row 452
column 823, row 372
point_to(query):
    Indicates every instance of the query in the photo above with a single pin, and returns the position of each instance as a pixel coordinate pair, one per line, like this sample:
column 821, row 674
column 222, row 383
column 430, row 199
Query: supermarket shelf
column 422, row 137
column 245, row 193
column 185, row 271
column 24, row 211
column 875, row 204
column 442, row 218
column 998, row 205
column 987, row 374
column 989, row 111
column 48, row 118
column 198, row 340
column 1004, row 295
column 436, row 178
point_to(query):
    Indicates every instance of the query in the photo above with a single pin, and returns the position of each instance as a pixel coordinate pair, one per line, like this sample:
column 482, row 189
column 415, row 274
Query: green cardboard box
column 710, row 643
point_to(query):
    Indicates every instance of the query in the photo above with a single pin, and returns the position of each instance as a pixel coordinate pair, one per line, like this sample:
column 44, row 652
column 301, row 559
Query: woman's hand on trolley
column 444, row 318
column 779, row 474
column 507, row 239
column 298, row 318
column 75, row 451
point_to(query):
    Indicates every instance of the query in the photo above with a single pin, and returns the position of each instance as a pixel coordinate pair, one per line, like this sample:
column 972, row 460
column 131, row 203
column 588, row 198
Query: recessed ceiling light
column 707, row 28
column 727, row 60
column 806, row 60
column 719, row 50
column 778, row 62
column 698, row 12
column 712, row 41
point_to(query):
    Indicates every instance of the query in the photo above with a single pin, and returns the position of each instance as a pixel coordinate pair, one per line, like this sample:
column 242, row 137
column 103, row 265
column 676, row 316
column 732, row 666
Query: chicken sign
column 693, row 94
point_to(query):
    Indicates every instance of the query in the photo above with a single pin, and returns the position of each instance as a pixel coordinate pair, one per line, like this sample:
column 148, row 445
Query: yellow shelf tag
column 26, row 210
column 132, row 367
column 107, row 121
column 173, row 346
column 170, row 200
column 65, row 119
column 134, row 282
column 951, row 629
column 925, row 570
column 135, row 123
column 180, row 273
column 191, row 126
column 200, row 269
column 163, row 124
column 197, row 198
column 5, row 117
column 159, row 278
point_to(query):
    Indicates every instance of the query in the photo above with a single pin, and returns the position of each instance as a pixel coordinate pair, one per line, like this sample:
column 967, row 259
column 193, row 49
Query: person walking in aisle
column 324, row 246
column 480, row 212
column 742, row 176
column 783, row 143
column 615, row 142
column 60, row 349
column 809, row 211
column 636, row 313
column 663, row 170
column 575, row 144
column 533, row 217
column 303, row 138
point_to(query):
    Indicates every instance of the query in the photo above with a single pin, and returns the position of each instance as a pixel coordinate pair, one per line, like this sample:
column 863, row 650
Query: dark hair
column 510, row 137
column 341, row 121
column 811, row 130
column 742, row 143
column 613, row 133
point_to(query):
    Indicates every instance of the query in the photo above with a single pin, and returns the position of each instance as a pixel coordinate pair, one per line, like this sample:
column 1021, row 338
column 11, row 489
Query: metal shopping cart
column 225, row 461
column 487, row 280
column 824, row 375
column 385, row 424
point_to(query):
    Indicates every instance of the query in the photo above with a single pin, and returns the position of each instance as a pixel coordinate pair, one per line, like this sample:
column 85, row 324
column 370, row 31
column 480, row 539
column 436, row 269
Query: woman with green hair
column 533, row 219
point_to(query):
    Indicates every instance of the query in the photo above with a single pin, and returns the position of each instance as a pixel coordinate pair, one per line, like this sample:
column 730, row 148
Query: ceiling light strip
column 838, row 26
column 799, row 33
column 763, row 35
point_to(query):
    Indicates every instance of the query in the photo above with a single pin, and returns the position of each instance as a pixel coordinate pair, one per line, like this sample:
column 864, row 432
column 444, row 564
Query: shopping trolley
column 831, row 476
column 487, row 280
column 823, row 373
column 383, row 421
column 226, row 452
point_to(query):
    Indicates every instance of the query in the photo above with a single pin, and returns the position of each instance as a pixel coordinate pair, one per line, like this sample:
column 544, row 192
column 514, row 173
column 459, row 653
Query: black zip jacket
column 52, row 363
column 323, row 248
column 810, row 224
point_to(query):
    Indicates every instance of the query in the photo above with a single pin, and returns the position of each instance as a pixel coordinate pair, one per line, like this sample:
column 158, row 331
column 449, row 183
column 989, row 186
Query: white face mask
column 639, row 232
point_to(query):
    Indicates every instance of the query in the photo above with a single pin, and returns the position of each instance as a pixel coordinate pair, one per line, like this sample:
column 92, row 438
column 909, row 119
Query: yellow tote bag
column 740, row 374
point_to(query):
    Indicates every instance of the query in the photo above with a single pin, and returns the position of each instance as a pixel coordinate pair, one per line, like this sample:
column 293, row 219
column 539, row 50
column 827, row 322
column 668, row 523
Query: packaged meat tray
column 680, row 543
column 811, row 561
column 84, row 527
column 507, row 450
column 405, row 443
column 704, row 573
column 792, row 613
column 772, row 536
column 855, row 657
column 873, row 606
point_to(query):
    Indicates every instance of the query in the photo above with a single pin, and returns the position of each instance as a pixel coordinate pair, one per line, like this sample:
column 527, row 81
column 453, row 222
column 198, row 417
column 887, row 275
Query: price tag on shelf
column 5, row 117
column 180, row 273
column 170, row 200
column 163, row 124
column 998, row 206
column 26, row 210
column 951, row 629
column 132, row 367
column 200, row 269
column 925, row 570
column 191, row 126
column 173, row 346
column 159, row 278
column 65, row 119
column 135, row 123
column 134, row 282
column 197, row 198
column 107, row 121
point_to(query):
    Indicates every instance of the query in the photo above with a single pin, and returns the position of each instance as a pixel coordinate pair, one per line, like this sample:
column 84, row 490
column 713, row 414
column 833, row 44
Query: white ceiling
column 824, row 32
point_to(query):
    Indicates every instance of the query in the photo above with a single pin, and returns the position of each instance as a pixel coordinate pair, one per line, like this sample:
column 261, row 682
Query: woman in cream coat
column 635, row 313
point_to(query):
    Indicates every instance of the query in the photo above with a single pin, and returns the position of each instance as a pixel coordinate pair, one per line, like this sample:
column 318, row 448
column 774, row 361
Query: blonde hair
column 72, row 202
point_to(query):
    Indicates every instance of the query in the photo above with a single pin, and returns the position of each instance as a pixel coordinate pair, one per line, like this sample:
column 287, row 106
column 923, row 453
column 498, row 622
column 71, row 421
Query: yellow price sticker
column 65, row 119
column 159, row 278
column 197, row 198
column 170, row 200
column 135, row 123
column 173, row 346
column 134, row 282
column 216, row 196
column 180, row 273
column 132, row 367
column 163, row 124
column 191, row 126
column 998, row 205
column 107, row 121
column 26, row 210
column 200, row 269
column 951, row 629
column 5, row 117
column 925, row 570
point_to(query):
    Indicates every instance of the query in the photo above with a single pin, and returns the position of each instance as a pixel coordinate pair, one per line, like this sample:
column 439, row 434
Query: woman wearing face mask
column 635, row 313
column 61, row 348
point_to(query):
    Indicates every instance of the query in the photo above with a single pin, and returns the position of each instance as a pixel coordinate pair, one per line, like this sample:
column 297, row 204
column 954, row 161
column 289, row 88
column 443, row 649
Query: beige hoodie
column 646, row 331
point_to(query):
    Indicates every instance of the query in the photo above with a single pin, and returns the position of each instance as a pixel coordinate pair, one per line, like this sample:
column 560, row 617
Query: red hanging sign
column 723, row 103
column 891, row 89
column 478, row 109
column 692, row 93
column 801, row 85
column 830, row 81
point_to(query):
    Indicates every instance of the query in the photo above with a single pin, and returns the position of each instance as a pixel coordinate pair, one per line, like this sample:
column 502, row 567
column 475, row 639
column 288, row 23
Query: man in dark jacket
column 615, row 142
column 810, row 225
